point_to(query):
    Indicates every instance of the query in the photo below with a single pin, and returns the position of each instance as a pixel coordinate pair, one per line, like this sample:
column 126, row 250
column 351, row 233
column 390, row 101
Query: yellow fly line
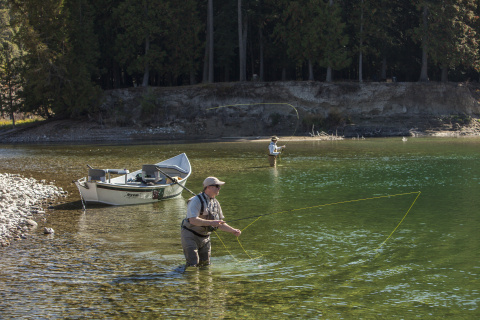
column 319, row 206
column 255, row 104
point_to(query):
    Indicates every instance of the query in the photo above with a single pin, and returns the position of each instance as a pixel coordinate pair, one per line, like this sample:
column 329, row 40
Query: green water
column 308, row 248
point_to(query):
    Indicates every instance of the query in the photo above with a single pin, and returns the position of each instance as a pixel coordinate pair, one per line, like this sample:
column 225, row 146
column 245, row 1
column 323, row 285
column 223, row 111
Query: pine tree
column 454, row 40
column 226, row 36
column 80, row 93
column 140, row 43
column 41, row 32
column 300, row 29
column 208, row 63
column 10, row 66
column 182, row 41
column 335, row 40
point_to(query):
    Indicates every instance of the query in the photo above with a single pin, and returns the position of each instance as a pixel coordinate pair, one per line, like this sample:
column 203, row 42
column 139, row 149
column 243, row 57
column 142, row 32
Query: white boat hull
column 127, row 190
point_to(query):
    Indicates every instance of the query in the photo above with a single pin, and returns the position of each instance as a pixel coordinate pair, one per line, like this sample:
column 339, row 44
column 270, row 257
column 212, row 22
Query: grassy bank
column 6, row 124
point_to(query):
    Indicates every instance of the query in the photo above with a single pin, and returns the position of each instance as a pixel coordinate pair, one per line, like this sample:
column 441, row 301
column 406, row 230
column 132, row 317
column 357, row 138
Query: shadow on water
column 74, row 205
column 177, row 273
column 79, row 205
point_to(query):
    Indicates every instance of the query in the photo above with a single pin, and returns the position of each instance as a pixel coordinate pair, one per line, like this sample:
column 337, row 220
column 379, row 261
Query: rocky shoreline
column 75, row 131
column 22, row 205
column 260, row 109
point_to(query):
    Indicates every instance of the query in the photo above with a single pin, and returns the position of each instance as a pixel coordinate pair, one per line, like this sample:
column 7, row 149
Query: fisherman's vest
column 207, row 212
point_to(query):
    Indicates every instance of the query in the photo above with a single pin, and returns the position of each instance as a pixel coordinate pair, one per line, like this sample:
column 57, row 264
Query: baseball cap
column 211, row 181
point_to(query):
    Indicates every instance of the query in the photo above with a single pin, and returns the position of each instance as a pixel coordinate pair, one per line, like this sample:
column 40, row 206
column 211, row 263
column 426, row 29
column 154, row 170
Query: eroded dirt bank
column 258, row 109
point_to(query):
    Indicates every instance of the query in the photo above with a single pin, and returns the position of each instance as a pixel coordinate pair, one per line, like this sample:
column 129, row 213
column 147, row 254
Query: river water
column 352, row 229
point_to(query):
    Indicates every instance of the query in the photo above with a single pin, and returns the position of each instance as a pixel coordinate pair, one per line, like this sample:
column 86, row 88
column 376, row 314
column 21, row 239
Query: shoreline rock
column 22, row 201
column 253, row 109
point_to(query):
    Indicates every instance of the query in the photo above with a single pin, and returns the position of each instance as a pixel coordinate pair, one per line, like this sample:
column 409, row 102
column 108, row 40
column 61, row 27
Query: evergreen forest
column 58, row 56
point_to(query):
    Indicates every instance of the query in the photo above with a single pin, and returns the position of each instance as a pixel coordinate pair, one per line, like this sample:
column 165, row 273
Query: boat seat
column 96, row 175
column 150, row 173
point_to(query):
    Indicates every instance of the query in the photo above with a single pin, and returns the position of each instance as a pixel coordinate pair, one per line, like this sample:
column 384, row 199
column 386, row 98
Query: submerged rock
column 48, row 231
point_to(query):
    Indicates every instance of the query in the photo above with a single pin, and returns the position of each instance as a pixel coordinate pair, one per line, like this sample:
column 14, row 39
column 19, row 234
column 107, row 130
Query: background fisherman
column 274, row 151
column 204, row 215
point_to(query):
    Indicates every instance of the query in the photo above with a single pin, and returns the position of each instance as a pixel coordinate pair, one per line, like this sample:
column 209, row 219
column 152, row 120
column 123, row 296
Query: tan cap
column 211, row 181
column 274, row 138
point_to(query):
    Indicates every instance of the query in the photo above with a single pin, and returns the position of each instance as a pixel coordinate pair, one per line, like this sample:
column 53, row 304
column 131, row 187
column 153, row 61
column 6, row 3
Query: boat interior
column 150, row 174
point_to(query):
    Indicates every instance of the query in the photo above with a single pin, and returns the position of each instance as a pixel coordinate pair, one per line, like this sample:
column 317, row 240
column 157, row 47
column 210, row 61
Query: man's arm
column 199, row 222
column 227, row 228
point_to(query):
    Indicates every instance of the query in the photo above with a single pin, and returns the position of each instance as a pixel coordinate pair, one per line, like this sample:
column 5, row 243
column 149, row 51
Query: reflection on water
column 298, row 257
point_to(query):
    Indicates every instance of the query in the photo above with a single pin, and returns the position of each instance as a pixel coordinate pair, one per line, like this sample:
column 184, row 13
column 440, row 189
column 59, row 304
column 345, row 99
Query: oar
column 175, row 181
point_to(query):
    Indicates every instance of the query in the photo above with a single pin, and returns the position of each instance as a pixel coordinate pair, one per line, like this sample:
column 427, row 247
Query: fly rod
column 174, row 180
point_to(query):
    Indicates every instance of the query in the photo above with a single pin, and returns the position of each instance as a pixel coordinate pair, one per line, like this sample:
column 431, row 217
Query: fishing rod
column 263, row 103
column 174, row 180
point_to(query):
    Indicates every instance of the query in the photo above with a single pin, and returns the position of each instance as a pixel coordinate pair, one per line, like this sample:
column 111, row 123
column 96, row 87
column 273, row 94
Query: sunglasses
column 216, row 186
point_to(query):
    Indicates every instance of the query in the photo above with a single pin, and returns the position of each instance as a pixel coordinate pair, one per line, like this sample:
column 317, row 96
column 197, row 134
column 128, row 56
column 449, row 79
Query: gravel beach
column 22, row 204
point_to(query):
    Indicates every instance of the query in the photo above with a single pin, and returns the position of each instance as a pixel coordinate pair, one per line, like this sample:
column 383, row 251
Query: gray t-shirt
column 211, row 211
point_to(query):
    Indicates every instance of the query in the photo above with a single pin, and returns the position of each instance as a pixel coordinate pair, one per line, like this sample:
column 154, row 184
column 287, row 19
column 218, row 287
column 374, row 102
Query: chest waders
column 209, row 216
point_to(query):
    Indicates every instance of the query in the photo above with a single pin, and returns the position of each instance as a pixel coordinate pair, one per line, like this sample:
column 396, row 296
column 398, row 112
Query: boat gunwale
column 134, row 188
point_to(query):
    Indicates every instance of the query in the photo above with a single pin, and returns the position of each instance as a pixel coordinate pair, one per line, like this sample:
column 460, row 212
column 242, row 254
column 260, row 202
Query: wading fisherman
column 204, row 215
column 274, row 151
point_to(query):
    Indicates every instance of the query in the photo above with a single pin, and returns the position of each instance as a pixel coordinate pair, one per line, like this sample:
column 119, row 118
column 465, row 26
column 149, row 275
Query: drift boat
column 154, row 182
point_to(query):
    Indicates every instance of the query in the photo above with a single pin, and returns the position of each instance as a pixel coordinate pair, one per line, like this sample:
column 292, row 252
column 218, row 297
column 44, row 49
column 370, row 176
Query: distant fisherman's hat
column 211, row 181
column 274, row 138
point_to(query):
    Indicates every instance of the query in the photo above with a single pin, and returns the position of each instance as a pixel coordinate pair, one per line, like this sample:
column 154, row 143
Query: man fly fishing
column 204, row 215
column 274, row 151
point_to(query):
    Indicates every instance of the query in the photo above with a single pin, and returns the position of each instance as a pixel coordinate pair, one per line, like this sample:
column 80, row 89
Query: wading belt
column 202, row 208
column 196, row 233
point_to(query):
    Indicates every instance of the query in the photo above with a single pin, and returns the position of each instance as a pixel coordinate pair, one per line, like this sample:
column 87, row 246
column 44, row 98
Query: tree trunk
column 146, row 71
column 360, row 53
column 205, row 62
column 245, row 37
column 210, row 43
column 383, row 72
column 146, row 67
column 423, row 73
column 12, row 117
column 241, row 49
column 310, row 71
column 329, row 68
column 329, row 74
column 192, row 77
column 227, row 73
column 444, row 74
column 11, row 97
column 360, row 67
column 261, row 71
